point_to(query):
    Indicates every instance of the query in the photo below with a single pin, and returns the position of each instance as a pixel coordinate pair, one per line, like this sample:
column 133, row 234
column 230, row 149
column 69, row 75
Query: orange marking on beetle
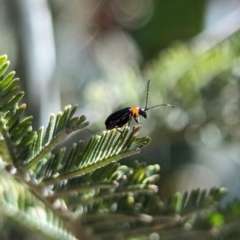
column 135, row 111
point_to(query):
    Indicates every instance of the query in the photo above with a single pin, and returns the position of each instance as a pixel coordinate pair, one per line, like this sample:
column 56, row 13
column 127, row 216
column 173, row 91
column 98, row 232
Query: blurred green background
column 100, row 54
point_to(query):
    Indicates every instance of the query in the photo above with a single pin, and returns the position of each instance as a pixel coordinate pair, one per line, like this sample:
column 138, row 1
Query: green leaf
column 19, row 204
column 3, row 59
column 3, row 66
column 100, row 151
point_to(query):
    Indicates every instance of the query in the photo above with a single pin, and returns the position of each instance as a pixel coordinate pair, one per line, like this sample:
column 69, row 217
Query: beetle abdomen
column 118, row 118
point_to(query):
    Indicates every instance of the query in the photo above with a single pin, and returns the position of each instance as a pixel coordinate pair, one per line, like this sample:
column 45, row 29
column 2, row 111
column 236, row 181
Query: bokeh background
column 99, row 54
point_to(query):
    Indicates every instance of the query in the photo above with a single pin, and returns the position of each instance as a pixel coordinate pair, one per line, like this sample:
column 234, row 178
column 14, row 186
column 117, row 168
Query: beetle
column 124, row 116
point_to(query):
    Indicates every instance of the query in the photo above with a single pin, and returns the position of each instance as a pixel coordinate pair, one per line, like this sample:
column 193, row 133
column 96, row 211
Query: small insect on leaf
column 124, row 116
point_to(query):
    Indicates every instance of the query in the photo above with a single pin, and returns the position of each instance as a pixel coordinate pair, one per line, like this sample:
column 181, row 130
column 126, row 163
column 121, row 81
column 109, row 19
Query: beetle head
column 142, row 112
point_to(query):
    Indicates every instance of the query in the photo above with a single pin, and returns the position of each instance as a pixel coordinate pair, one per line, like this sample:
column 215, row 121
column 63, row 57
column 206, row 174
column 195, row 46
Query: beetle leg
column 137, row 120
column 118, row 130
column 129, row 124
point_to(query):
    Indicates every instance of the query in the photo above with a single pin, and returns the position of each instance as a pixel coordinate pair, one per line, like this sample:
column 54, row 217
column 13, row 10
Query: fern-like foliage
column 88, row 194
column 24, row 208
column 30, row 158
column 141, row 216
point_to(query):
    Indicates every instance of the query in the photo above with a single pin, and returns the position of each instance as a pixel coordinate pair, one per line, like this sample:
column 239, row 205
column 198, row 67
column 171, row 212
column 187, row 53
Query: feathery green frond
column 196, row 200
column 131, row 217
column 64, row 125
column 101, row 180
column 100, row 151
column 26, row 146
column 19, row 204
column 90, row 173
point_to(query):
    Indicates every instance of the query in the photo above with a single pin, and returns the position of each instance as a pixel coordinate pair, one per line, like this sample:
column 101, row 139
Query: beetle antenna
column 147, row 93
column 159, row 105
